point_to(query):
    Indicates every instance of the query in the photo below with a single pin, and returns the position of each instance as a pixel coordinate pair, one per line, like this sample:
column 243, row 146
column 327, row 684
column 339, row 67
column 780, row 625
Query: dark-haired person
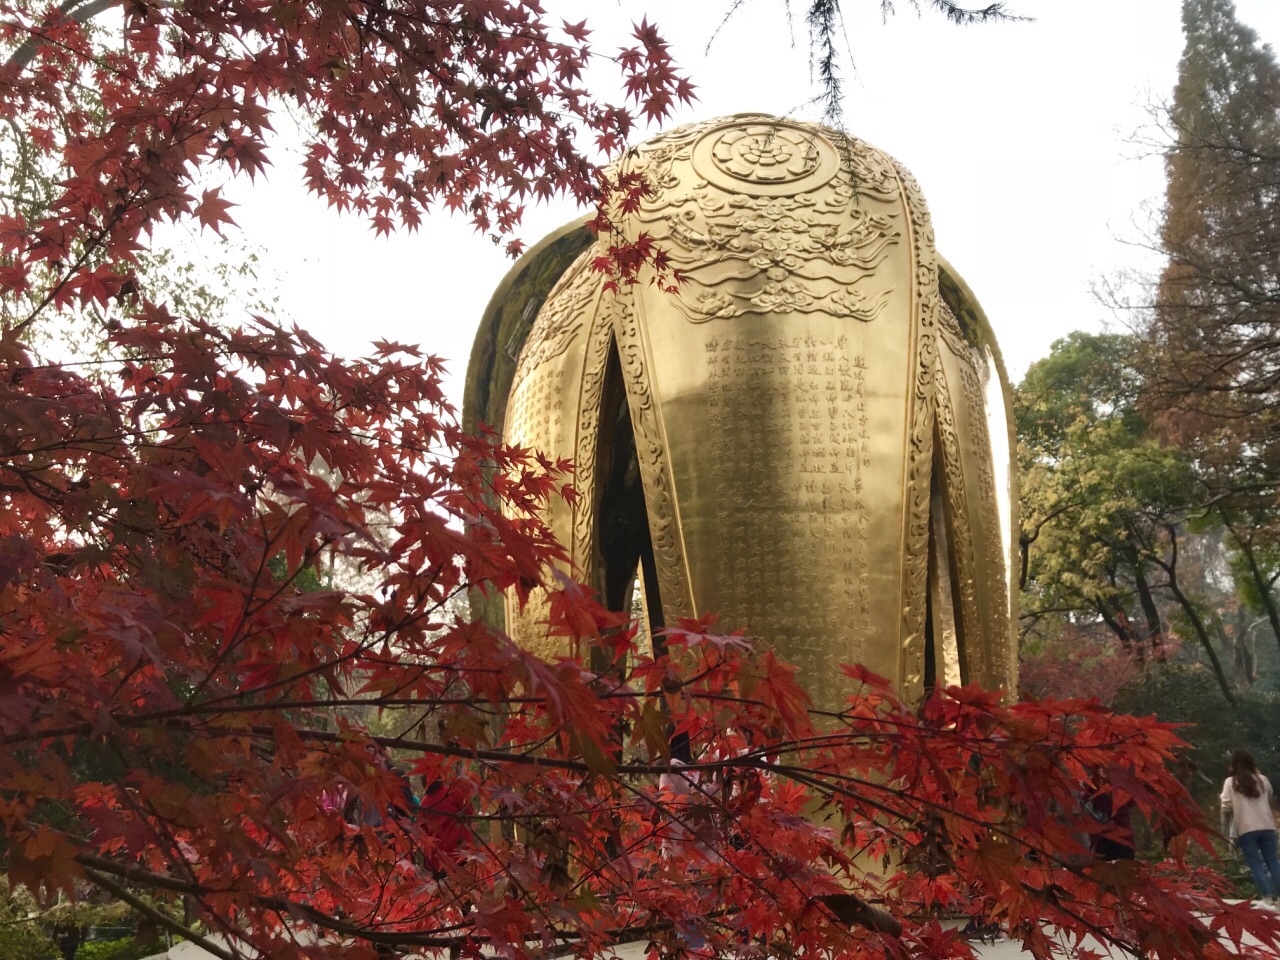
column 1246, row 802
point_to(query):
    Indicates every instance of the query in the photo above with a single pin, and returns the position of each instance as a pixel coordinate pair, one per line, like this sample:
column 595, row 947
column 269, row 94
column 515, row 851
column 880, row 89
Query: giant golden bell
column 812, row 437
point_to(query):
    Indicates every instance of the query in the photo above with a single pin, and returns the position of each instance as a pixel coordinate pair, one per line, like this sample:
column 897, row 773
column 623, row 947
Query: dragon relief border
column 702, row 224
column 560, row 318
column 961, row 532
column 769, row 252
column 949, row 328
column 586, row 445
column 969, row 358
column 651, row 452
column 919, row 470
column 558, row 322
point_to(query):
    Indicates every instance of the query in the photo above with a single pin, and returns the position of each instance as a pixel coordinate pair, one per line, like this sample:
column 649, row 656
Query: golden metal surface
column 808, row 434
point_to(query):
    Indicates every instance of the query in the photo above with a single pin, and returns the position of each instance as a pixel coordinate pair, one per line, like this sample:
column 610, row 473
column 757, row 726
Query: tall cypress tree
column 1214, row 337
column 1217, row 319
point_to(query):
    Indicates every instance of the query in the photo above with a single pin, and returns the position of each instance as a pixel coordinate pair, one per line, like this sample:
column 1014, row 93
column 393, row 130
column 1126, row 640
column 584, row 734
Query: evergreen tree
column 1215, row 332
column 1213, row 371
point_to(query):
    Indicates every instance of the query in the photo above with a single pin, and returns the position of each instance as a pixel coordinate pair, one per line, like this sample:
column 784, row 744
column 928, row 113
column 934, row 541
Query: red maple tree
column 180, row 701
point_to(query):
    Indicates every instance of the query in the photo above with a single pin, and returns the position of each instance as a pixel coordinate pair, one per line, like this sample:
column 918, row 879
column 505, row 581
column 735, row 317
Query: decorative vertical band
column 919, row 465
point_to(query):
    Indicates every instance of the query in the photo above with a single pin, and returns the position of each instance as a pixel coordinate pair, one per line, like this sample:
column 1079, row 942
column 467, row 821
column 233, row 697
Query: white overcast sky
column 1020, row 135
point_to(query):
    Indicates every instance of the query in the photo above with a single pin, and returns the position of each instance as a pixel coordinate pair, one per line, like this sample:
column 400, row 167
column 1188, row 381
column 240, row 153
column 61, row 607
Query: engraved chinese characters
column 795, row 439
column 819, row 383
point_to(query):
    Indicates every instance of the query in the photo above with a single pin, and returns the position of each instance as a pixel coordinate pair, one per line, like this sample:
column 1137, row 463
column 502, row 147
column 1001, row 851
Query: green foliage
column 1223, row 175
column 1109, row 507
column 124, row 948
column 306, row 579
column 30, row 930
column 1250, row 592
column 1097, row 490
column 1085, row 378
column 22, row 934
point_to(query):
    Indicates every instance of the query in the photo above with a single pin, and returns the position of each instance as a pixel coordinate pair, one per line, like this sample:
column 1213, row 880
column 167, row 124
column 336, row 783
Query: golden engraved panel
column 561, row 320
column 953, row 505
column 813, row 243
column 784, row 405
column 587, row 443
column 787, row 546
column 973, row 511
column 919, row 449
column 555, row 362
column 785, row 421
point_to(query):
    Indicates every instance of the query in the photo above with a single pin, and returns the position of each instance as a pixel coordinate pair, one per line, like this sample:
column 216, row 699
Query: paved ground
column 986, row 951
column 636, row 951
column 1007, row 950
column 630, row 951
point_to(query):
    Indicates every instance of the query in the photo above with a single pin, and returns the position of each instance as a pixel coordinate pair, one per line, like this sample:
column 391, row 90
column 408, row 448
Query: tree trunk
column 1119, row 624
column 1259, row 581
column 1155, row 628
column 1202, row 634
column 1197, row 624
column 68, row 938
column 1243, row 650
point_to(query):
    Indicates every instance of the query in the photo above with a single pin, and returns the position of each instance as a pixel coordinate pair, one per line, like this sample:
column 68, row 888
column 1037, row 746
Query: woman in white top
column 1246, row 799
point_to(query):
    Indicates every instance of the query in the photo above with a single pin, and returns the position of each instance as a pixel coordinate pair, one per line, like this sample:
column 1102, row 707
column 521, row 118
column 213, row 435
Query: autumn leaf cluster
column 223, row 549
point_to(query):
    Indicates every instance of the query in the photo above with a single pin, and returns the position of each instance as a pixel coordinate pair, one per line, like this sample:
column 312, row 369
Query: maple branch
column 96, row 866
column 290, row 907
column 248, row 609
column 814, row 779
column 91, row 244
column 852, row 910
column 1104, row 934
column 159, row 916
column 72, row 10
column 847, row 908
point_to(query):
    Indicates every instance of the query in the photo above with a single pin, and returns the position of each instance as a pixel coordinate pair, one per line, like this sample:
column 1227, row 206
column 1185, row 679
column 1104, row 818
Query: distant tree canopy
column 1106, row 504
column 1212, row 344
column 1152, row 462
